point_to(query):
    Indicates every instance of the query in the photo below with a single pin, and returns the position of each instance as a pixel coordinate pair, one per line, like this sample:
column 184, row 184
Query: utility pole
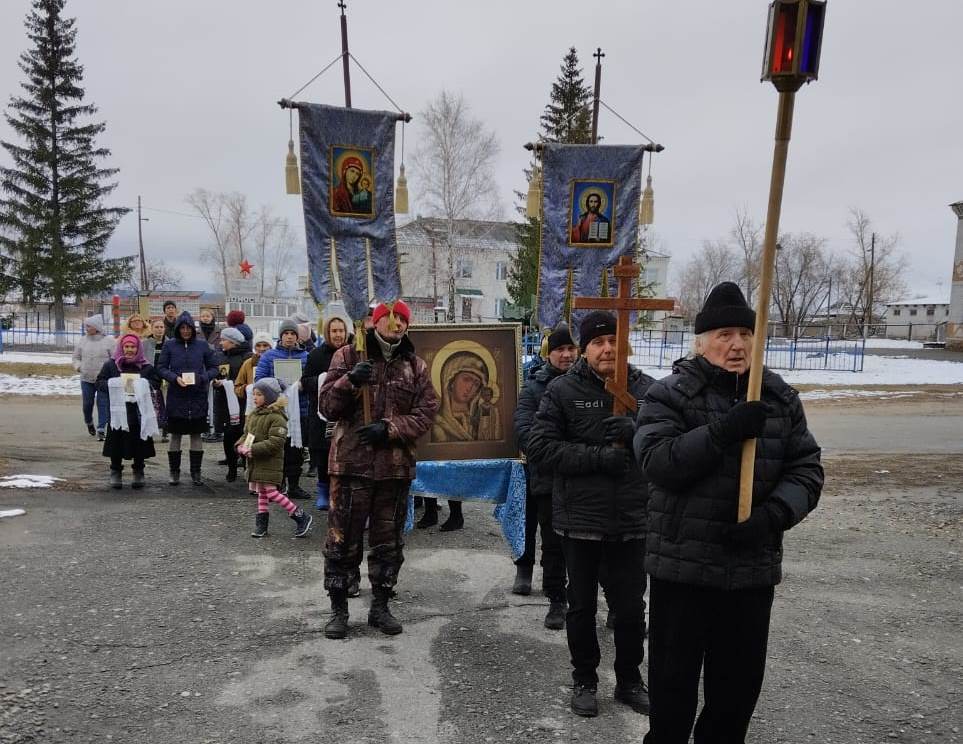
column 595, row 99
column 344, row 55
column 140, row 239
column 868, row 310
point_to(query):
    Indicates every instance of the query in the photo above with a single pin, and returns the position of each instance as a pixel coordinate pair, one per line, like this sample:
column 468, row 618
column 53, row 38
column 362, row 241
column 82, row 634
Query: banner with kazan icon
column 590, row 218
column 347, row 184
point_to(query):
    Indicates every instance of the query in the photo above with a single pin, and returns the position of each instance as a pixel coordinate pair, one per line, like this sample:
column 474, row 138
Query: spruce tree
column 568, row 119
column 54, row 225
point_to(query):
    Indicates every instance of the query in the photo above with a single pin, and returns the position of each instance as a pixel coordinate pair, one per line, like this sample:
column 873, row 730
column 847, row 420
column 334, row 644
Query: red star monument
column 246, row 268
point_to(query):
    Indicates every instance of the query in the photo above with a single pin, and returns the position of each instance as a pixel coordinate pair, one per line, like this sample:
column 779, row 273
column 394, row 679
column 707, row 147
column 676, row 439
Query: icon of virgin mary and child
column 465, row 381
column 351, row 194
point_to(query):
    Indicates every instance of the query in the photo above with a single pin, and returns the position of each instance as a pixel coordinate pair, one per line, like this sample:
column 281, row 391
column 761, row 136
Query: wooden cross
column 626, row 270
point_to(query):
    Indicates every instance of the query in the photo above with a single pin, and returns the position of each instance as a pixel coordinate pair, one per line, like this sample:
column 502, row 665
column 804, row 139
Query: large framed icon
column 476, row 373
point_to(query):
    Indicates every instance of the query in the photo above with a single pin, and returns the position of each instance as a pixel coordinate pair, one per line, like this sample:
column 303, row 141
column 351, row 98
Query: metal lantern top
column 793, row 42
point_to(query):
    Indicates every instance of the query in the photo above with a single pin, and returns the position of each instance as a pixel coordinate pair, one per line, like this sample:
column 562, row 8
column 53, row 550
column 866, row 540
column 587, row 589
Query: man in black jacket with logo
column 712, row 580
column 562, row 353
column 599, row 509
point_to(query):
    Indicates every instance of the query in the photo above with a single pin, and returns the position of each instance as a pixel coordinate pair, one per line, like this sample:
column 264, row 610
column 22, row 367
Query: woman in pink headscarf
column 132, row 417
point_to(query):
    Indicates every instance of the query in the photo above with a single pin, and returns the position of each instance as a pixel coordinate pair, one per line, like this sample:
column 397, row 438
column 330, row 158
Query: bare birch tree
column 800, row 281
column 454, row 164
column 211, row 208
column 281, row 257
column 746, row 237
column 159, row 276
column 715, row 263
column 888, row 269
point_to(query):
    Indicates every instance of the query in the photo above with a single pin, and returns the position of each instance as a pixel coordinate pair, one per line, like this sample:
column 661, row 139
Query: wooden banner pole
column 780, row 154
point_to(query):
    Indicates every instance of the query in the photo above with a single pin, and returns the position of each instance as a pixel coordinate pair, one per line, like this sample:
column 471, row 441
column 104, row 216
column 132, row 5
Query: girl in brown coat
column 263, row 445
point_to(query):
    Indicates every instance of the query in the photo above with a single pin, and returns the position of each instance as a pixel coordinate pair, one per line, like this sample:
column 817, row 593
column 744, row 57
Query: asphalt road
column 153, row 617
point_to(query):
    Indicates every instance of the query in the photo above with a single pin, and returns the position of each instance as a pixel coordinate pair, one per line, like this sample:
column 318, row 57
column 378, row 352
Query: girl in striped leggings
column 262, row 444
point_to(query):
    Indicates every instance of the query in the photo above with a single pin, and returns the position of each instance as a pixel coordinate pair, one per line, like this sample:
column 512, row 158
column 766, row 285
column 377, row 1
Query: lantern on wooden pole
column 791, row 58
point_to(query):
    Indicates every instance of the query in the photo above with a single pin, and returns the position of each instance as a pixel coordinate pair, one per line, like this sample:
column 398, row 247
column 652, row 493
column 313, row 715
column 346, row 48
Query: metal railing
column 31, row 339
column 657, row 348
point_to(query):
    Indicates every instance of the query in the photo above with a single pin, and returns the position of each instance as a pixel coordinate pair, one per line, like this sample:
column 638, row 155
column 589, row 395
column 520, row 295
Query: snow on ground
column 27, row 481
column 4, row 513
column 26, row 357
column 837, row 394
column 892, row 343
column 40, row 385
column 883, row 370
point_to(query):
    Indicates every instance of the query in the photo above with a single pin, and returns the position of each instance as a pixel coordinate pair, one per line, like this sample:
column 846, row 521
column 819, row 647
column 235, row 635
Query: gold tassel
column 401, row 193
column 605, row 283
column 543, row 349
column 291, row 176
column 533, row 204
column 647, row 205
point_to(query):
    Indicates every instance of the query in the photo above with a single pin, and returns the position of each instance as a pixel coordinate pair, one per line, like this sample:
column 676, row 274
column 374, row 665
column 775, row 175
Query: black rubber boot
column 294, row 487
column 430, row 517
column 379, row 616
column 523, row 580
column 303, row 521
column 337, row 626
column 174, row 459
column 116, row 478
column 555, row 619
column 138, row 481
column 197, row 456
column 455, row 520
column 261, row 524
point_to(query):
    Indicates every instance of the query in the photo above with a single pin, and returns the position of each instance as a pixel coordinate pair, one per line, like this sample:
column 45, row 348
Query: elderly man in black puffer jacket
column 599, row 508
column 712, row 580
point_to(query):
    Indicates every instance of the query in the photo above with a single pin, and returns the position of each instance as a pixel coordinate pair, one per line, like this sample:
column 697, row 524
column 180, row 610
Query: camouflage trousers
column 355, row 502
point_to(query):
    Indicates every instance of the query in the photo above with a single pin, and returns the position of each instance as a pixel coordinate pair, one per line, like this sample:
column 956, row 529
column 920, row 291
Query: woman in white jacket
column 90, row 353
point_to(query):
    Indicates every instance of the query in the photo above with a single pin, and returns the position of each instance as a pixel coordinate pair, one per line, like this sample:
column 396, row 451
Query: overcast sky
column 188, row 91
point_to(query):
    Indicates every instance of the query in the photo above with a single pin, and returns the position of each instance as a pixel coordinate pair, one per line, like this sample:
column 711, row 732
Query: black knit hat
column 596, row 323
column 725, row 307
column 561, row 336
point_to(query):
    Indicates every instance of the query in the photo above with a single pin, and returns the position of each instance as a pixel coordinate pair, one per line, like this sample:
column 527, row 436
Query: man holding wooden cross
column 713, row 578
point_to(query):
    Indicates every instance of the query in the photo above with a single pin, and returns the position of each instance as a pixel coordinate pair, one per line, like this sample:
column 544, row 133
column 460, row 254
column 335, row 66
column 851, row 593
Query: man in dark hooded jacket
column 599, row 509
column 561, row 355
column 712, row 580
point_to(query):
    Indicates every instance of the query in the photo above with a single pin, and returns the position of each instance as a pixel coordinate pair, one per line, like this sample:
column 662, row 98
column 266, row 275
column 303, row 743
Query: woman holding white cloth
column 127, row 380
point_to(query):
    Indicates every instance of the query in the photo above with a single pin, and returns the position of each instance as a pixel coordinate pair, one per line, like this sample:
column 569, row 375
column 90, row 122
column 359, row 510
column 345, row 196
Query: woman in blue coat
column 188, row 364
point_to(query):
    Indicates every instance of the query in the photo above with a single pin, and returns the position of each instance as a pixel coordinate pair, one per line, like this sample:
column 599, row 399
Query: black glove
column 764, row 521
column 613, row 460
column 375, row 434
column 745, row 420
column 361, row 373
column 619, row 429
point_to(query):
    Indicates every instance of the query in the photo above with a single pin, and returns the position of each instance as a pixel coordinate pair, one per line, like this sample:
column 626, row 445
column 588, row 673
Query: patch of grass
column 32, row 369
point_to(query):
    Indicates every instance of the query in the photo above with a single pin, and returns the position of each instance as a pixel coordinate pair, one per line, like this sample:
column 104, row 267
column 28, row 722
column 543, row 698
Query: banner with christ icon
column 590, row 218
column 347, row 183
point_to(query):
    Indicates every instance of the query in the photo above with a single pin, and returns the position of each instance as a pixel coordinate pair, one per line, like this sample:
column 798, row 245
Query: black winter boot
column 261, row 524
column 294, row 488
column 430, row 517
column 116, row 479
column 174, row 459
column 379, row 616
column 303, row 521
column 337, row 626
column 555, row 619
column 231, row 473
column 455, row 520
column 523, row 580
column 138, row 481
column 197, row 456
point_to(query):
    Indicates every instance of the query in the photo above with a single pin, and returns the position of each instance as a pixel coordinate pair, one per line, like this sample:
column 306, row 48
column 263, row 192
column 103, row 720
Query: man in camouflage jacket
column 371, row 465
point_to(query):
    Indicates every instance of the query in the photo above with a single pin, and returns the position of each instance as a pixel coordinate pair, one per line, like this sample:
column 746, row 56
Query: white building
column 655, row 281
column 480, row 257
column 919, row 319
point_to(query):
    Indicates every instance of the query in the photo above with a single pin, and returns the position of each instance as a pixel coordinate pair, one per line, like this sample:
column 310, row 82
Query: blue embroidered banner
column 347, row 184
column 590, row 217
